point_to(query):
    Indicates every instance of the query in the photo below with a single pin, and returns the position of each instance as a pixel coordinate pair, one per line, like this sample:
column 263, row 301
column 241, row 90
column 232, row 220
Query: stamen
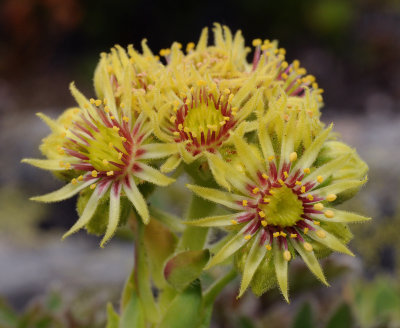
column 320, row 179
column 318, row 207
column 321, row 234
column 287, row 256
column 331, row 197
column 307, row 170
column 307, row 246
column 268, row 247
column 329, row 214
column 293, row 156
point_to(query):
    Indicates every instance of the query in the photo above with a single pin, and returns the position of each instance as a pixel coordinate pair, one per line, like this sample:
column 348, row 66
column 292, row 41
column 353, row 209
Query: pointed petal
column 134, row 195
column 248, row 157
column 310, row 260
column 244, row 91
column 326, row 170
column 336, row 188
column 217, row 196
column 89, row 210
column 152, row 175
column 65, row 192
column 45, row 164
column 158, row 150
column 287, row 142
column 311, row 153
column 341, row 216
column 218, row 170
column 281, row 270
column 265, row 140
column 202, row 43
column 171, row 164
column 52, row 124
column 329, row 240
column 82, row 101
column 229, row 248
column 113, row 219
column 256, row 254
column 216, row 221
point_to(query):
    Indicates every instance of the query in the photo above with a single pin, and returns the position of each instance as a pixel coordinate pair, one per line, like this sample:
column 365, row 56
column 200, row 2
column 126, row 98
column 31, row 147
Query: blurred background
column 352, row 47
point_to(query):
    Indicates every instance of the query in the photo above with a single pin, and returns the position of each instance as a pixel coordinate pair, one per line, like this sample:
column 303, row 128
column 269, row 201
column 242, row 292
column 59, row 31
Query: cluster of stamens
column 297, row 204
column 293, row 76
column 106, row 147
column 203, row 120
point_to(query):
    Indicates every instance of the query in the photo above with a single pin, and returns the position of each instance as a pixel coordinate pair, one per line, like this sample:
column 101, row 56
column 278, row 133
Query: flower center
column 284, row 208
column 106, row 148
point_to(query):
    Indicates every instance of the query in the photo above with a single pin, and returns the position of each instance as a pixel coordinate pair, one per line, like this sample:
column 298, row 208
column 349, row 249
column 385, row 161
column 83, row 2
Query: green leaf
column 185, row 267
column 8, row 318
column 133, row 316
column 112, row 317
column 303, row 318
column 342, row 318
column 184, row 309
column 160, row 244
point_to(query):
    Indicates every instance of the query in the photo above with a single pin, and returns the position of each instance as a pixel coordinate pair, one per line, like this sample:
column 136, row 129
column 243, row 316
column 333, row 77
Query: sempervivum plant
column 249, row 135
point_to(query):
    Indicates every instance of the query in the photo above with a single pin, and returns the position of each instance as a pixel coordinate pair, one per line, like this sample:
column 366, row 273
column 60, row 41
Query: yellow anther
column 298, row 183
column 264, row 223
column 120, row 155
column 308, row 247
column 283, row 234
column 318, row 207
column 98, row 102
column 284, row 64
column 92, row 186
column 67, row 166
column 287, row 256
column 256, row 42
column 284, row 76
column 244, row 202
column 266, row 200
column 105, row 101
column 176, row 103
column 306, row 230
column 247, row 237
column 303, row 189
column 285, row 174
column 116, row 128
column 271, row 158
column 94, row 174
column 172, row 119
column 261, row 214
column 329, row 214
column 201, row 83
column 321, row 233
column 176, row 133
column 331, row 197
column 179, row 45
column 307, row 170
column 293, row 156
column 110, row 173
column 80, row 178
column 310, row 197
column 189, row 46
column 317, row 222
column 234, row 222
column 126, row 119
column 112, row 117
column 268, row 247
column 255, row 190
column 123, row 139
column 92, row 101
column 107, row 109
column 293, row 235
column 320, row 179
column 275, row 234
column 86, row 106
column 272, row 192
column 74, row 181
column 265, row 176
column 105, row 162
column 281, row 182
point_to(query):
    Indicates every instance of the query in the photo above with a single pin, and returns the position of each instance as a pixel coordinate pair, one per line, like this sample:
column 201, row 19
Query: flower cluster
column 254, row 128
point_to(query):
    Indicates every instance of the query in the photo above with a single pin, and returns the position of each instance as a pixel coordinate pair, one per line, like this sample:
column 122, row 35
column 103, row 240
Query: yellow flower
column 108, row 148
column 282, row 203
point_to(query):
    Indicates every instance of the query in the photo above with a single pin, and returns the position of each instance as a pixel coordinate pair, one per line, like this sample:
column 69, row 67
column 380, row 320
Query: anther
column 307, row 170
column 74, row 181
column 331, row 197
column 116, row 128
column 281, row 182
column 283, row 234
column 80, row 178
column 310, row 197
column 264, row 223
column 318, row 207
column 255, row 190
column 298, row 183
column 92, row 101
column 320, row 179
column 321, row 234
column 247, row 237
column 306, row 230
column 98, row 102
column 275, row 234
column 303, row 189
column 287, row 256
column 317, row 222
column 234, row 222
column 268, row 247
column 329, row 214
column 94, row 174
column 293, row 156
column 256, row 42
column 271, row 158
column 308, row 247
column 265, row 176
column 110, row 173
column 293, row 235
column 266, row 200
column 244, row 202
column 285, row 174
column 92, row 186
column 261, row 214
column 105, row 162
column 126, row 119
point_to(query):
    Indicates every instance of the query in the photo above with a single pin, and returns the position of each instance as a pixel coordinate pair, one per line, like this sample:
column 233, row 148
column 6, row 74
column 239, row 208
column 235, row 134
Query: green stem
column 194, row 238
column 213, row 291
